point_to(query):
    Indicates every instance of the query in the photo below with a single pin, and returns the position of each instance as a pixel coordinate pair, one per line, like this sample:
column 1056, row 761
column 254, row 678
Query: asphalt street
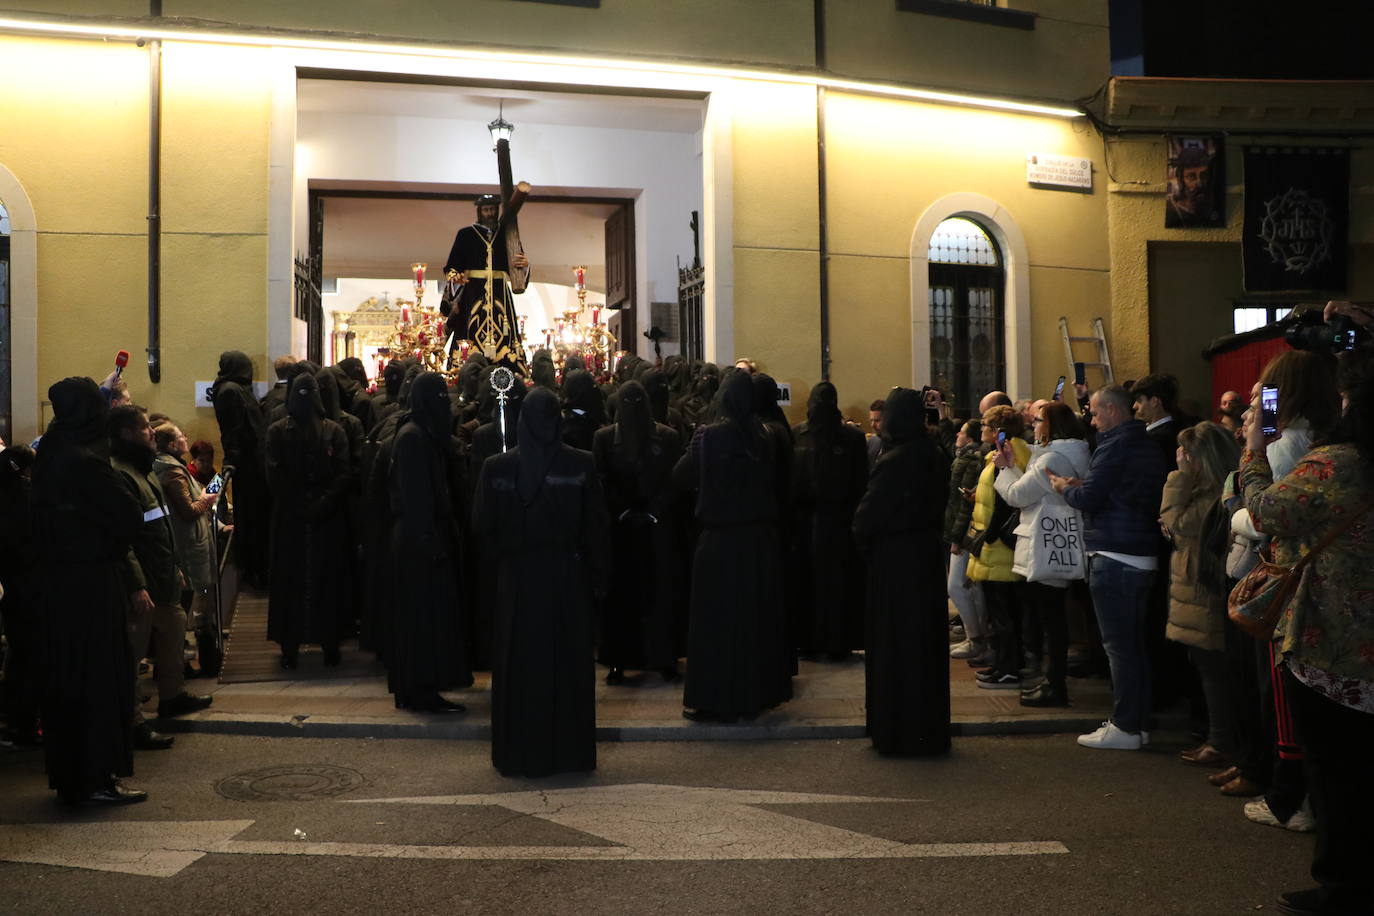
column 1030, row 824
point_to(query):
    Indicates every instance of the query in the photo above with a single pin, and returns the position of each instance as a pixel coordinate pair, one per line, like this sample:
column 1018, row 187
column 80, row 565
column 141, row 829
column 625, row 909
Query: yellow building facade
column 909, row 120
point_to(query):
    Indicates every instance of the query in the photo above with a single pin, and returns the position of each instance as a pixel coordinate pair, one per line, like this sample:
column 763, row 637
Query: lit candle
column 596, row 316
column 580, row 275
column 405, row 313
column 419, row 273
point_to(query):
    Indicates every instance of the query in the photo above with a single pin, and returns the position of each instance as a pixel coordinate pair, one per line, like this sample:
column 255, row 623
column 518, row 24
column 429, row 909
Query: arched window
column 967, row 349
column 5, row 412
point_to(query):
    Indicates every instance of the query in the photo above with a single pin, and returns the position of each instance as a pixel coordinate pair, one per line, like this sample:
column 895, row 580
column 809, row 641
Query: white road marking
column 646, row 823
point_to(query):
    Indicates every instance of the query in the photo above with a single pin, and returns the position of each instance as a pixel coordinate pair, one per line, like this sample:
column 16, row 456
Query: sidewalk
column 351, row 701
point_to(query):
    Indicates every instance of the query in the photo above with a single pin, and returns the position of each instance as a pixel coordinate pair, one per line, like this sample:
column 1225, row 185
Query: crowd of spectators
column 670, row 511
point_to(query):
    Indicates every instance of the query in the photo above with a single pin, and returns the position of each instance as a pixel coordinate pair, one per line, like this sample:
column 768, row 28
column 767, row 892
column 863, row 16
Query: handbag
column 1258, row 601
column 1001, row 527
column 1056, row 547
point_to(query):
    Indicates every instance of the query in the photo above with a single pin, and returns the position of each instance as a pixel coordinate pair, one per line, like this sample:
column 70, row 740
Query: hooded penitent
column 234, row 366
column 470, row 375
column 634, row 422
column 430, row 407
column 540, row 422
column 823, row 417
column 542, row 370
column 79, row 412
column 655, row 382
column 303, row 404
column 487, row 404
column 580, row 392
column 330, row 396
column 393, row 376
column 903, row 417
column 352, row 367
column 766, row 401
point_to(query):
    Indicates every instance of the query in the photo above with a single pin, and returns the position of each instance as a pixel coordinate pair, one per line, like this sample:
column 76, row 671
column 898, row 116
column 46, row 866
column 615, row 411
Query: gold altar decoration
column 579, row 331
column 418, row 332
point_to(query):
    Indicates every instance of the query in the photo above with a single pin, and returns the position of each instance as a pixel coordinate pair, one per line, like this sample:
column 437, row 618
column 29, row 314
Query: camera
column 1309, row 332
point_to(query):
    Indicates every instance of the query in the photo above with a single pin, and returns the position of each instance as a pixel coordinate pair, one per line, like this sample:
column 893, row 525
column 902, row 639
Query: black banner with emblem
column 1297, row 219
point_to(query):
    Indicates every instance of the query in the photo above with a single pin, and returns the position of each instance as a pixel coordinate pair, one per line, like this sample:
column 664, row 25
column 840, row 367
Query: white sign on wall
column 203, row 392
column 1053, row 171
column 784, row 394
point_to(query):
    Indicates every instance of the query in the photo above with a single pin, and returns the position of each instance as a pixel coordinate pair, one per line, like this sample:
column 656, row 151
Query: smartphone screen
column 1080, row 373
column 215, row 485
column 1001, row 438
column 1058, row 389
column 1269, row 410
column 932, row 416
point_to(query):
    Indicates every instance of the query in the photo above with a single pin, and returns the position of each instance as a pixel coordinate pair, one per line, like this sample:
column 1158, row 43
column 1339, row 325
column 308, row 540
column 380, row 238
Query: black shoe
column 145, row 739
column 615, row 676
column 1310, row 902
column 437, row 704
column 704, row 715
column 181, row 704
column 1044, row 696
column 113, row 794
column 987, row 674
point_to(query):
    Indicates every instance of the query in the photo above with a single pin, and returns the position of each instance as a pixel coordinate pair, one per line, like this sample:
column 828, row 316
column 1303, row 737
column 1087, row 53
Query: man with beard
column 241, row 431
column 542, row 504
column 477, row 297
column 85, row 522
column 425, row 651
column 155, row 578
column 1190, row 201
column 308, row 466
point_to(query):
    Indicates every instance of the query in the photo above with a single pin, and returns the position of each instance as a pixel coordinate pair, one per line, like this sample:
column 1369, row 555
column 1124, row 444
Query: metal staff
column 501, row 381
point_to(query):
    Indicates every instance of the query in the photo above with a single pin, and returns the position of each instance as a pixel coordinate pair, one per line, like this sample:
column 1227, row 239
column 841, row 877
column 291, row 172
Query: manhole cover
column 292, row 782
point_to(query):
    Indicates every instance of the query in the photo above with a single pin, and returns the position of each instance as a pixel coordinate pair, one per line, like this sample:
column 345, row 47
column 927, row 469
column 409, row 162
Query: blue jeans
column 1120, row 594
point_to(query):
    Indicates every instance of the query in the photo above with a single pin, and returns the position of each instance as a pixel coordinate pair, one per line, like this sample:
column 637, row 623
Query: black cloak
column 897, row 525
column 542, row 504
column 242, row 431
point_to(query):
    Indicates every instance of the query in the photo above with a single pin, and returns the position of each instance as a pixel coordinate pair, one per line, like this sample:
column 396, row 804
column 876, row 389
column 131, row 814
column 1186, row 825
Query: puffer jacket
column 1030, row 491
column 993, row 563
column 1197, row 617
column 963, row 472
column 1120, row 496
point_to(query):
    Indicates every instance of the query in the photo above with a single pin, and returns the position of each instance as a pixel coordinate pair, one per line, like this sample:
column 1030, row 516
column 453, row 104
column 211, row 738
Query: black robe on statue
column 542, row 507
column 86, row 520
column 635, row 459
column 829, row 473
column 427, row 651
column 738, row 659
column 308, row 465
column 898, row 525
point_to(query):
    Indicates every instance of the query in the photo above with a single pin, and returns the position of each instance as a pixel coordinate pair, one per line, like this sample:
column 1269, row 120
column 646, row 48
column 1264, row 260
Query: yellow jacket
column 993, row 564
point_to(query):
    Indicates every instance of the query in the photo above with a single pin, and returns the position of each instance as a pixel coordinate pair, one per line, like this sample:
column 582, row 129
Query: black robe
column 830, row 471
column 242, row 432
column 426, row 650
column 86, row 520
column 551, row 558
column 310, row 596
column 466, row 321
column 737, row 637
column 897, row 525
column 639, row 627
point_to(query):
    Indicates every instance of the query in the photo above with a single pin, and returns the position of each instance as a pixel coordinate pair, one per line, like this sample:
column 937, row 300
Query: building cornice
column 1336, row 107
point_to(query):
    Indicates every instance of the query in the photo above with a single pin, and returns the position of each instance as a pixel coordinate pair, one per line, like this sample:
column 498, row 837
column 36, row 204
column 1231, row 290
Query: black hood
column 581, row 392
column 766, row 400
column 542, row 370
column 235, row 366
column 393, row 376
column 430, row 407
column 571, row 362
column 79, row 411
column 823, row 408
column 330, row 398
column 736, row 398
column 413, row 371
column 655, row 382
column 353, row 370
column 540, row 432
column 303, row 403
column 903, row 417
column 470, row 375
column 634, row 420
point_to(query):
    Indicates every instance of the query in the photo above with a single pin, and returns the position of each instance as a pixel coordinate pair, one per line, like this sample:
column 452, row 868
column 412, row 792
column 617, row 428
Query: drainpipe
column 155, row 203
column 821, row 209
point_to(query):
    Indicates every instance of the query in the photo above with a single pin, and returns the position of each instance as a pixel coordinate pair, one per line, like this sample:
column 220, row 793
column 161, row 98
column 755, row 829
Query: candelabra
column 574, row 334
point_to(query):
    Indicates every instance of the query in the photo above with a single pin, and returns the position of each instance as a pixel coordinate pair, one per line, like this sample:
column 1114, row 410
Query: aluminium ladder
column 1099, row 337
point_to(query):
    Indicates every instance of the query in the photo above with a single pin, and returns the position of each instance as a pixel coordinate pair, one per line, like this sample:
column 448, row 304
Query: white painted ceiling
column 481, row 104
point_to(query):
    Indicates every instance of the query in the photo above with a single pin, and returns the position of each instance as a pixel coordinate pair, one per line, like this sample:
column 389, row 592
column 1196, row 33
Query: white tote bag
column 1056, row 546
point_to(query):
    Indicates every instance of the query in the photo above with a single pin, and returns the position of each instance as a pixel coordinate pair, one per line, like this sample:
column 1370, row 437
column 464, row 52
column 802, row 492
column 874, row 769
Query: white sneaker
column 1111, row 738
column 1301, row 821
column 966, row 649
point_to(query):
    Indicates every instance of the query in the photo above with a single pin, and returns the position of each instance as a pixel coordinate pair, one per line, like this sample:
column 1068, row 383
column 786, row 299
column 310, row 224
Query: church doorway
column 386, row 172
